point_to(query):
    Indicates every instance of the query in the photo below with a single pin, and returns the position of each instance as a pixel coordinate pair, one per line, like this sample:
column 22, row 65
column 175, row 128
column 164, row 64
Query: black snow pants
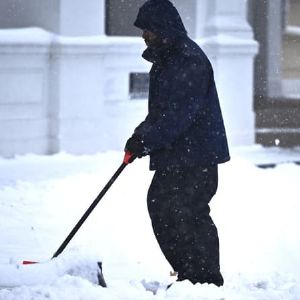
column 178, row 204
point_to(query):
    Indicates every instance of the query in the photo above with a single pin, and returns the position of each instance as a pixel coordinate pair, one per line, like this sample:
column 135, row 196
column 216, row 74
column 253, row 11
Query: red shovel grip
column 128, row 158
column 28, row 262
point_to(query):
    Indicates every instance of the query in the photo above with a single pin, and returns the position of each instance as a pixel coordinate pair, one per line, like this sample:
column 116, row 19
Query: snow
column 42, row 197
column 25, row 35
column 36, row 35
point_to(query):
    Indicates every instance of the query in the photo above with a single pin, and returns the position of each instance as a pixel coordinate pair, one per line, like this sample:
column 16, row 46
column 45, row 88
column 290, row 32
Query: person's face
column 151, row 39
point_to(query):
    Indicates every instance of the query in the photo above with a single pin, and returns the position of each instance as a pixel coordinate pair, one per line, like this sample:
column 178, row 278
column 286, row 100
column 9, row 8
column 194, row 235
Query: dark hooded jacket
column 184, row 126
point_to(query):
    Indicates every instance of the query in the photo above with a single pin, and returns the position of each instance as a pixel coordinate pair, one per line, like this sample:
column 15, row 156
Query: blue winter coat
column 184, row 126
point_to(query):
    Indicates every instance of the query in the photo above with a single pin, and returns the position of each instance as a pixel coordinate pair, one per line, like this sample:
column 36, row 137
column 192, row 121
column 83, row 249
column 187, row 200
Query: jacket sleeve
column 180, row 109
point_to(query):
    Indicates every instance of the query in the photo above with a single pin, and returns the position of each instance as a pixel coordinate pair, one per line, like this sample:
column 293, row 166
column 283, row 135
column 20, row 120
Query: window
column 291, row 50
column 120, row 16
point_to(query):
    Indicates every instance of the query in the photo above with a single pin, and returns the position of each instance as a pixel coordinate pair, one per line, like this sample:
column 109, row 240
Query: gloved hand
column 135, row 145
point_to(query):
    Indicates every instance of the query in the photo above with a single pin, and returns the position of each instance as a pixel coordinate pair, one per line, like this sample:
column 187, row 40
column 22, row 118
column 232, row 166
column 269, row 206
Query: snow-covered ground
column 42, row 197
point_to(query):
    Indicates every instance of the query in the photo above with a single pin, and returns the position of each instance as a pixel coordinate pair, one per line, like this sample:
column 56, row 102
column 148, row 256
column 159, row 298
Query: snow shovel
column 128, row 158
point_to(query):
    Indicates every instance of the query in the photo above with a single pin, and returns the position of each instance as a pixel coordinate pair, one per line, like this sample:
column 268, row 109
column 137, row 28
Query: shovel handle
column 129, row 157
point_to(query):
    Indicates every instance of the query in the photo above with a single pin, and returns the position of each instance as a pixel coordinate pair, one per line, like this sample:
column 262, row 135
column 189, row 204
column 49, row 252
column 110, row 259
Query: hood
column 162, row 18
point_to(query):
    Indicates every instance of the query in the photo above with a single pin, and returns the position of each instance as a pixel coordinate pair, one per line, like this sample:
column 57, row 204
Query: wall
column 24, row 78
column 90, row 82
column 66, row 94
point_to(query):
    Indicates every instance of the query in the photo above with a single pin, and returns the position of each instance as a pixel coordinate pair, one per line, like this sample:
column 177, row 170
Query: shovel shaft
column 94, row 204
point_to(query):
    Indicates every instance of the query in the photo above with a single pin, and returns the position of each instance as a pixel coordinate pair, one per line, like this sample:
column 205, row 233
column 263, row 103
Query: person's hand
column 135, row 145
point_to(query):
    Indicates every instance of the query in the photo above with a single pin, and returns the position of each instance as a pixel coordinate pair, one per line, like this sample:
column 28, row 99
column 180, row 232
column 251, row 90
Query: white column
column 82, row 18
column 228, row 41
column 77, row 95
column 201, row 12
column 227, row 17
column 76, row 78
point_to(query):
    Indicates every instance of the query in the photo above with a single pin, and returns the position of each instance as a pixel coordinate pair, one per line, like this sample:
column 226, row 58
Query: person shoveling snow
column 185, row 137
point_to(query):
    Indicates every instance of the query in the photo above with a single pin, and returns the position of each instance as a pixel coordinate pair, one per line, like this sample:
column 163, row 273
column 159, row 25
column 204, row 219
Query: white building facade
column 69, row 71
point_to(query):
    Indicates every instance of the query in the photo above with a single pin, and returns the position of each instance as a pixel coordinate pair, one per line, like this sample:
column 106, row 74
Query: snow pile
column 41, row 198
column 18, row 274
